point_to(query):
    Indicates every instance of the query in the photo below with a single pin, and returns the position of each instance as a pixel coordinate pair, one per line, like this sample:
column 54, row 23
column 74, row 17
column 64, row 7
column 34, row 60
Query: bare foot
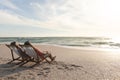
column 53, row 58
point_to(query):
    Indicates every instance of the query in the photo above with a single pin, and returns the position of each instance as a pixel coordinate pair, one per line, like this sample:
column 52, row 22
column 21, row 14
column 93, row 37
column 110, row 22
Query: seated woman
column 41, row 54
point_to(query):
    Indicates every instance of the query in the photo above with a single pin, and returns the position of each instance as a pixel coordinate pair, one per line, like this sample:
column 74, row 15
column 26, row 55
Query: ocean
column 96, row 42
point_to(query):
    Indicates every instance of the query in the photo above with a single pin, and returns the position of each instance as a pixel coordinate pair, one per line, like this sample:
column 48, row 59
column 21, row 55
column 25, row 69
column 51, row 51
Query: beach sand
column 70, row 64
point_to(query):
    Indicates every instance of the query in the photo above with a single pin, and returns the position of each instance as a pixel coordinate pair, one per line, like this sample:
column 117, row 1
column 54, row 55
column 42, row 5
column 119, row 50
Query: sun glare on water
column 115, row 39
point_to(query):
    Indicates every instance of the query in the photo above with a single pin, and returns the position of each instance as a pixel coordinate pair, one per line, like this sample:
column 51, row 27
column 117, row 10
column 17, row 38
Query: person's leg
column 49, row 56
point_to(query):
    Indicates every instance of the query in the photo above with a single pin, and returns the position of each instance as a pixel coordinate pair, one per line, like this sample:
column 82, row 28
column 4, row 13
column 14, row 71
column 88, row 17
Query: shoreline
column 74, row 47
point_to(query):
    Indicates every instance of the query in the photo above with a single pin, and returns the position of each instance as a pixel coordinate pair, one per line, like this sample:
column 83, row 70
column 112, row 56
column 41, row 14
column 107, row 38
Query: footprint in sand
column 76, row 66
column 47, row 68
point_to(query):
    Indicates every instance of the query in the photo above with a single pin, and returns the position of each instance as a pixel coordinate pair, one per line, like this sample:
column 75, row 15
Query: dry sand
column 70, row 64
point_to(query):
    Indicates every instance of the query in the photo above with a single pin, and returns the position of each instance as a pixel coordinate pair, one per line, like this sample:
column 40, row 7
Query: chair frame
column 20, row 57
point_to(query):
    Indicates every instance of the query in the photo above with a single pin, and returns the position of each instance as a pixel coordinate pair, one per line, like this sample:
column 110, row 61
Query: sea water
column 97, row 42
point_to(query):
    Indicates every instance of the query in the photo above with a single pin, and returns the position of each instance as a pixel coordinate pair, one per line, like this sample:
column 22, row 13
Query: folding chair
column 22, row 56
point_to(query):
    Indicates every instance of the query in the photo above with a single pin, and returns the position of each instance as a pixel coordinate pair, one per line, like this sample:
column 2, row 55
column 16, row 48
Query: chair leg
column 47, row 61
column 19, row 63
column 24, row 63
column 13, row 60
column 35, row 64
column 10, row 62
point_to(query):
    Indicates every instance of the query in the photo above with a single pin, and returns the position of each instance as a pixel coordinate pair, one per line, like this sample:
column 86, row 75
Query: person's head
column 13, row 43
column 27, row 43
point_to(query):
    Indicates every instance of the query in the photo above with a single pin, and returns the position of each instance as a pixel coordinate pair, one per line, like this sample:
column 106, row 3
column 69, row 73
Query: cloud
column 47, row 10
column 75, row 17
column 14, row 19
column 70, row 19
column 8, row 4
column 52, row 14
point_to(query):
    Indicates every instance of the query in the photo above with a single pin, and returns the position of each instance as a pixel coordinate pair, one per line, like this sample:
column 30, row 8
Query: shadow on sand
column 8, row 69
column 13, row 71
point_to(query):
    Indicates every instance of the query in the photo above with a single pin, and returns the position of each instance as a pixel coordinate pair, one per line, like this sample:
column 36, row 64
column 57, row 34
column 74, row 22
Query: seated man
column 41, row 54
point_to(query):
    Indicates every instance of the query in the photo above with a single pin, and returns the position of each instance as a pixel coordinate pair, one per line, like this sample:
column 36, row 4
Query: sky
column 42, row 18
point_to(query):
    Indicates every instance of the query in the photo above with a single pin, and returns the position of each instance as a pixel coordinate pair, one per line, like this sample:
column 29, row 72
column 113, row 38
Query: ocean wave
column 66, row 41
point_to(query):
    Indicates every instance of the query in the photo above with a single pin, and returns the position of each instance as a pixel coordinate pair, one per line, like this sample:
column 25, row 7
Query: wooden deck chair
column 22, row 57
column 32, row 53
